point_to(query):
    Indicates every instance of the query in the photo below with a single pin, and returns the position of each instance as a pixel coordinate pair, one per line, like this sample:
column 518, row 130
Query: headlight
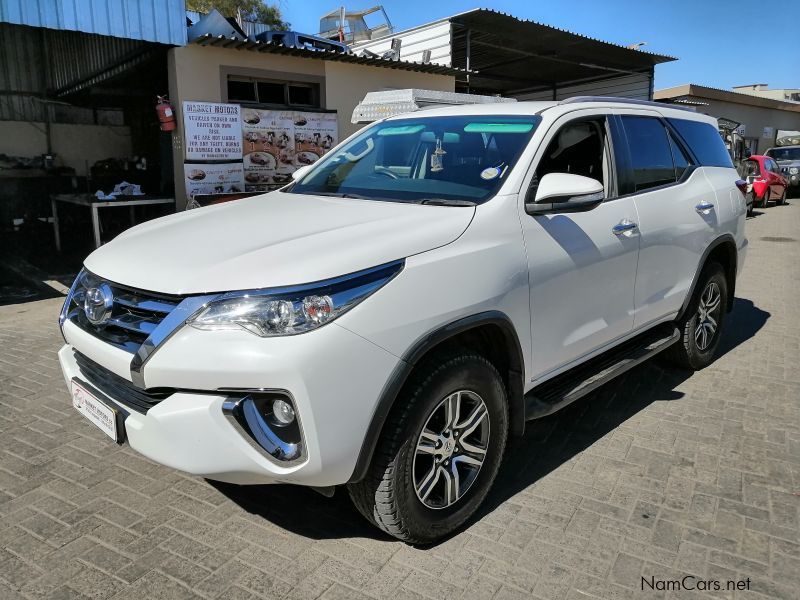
column 293, row 310
column 794, row 170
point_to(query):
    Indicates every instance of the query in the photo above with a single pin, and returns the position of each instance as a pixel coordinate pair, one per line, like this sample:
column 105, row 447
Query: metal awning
column 510, row 55
column 273, row 48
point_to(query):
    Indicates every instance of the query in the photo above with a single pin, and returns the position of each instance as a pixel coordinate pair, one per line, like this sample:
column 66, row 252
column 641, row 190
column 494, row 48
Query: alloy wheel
column 451, row 449
column 708, row 313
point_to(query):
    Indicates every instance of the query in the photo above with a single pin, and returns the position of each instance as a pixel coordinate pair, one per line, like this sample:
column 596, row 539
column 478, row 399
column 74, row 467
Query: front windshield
column 456, row 160
column 785, row 153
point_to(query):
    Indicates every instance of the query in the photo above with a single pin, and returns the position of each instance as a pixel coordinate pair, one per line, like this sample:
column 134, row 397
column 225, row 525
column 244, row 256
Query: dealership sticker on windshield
column 490, row 173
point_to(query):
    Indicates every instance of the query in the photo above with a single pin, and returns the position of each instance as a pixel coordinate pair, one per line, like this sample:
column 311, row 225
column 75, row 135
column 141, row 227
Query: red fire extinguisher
column 166, row 116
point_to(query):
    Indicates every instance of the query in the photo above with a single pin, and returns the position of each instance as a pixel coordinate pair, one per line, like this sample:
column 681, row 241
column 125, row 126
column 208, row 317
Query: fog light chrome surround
column 250, row 412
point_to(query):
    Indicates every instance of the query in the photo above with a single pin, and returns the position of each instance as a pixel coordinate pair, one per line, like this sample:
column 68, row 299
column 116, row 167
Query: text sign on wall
column 213, row 131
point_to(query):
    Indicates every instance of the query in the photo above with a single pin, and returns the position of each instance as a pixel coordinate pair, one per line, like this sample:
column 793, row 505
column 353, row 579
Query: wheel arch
column 491, row 333
column 722, row 250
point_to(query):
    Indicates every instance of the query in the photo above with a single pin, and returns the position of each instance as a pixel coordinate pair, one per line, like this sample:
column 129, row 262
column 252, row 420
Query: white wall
column 435, row 37
column 200, row 73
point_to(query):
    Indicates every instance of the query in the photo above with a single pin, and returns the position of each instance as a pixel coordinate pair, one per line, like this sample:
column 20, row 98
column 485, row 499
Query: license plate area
column 103, row 416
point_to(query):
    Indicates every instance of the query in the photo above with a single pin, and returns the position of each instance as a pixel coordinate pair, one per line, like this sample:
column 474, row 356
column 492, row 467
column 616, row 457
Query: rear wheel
column 439, row 452
column 750, row 201
column 701, row 326
column 765, row 198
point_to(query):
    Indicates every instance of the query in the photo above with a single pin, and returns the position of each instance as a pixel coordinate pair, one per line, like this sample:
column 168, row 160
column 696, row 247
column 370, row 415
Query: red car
column 764, row 181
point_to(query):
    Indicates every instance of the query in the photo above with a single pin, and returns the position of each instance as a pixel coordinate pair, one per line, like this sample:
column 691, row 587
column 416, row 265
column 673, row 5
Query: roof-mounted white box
column 379, row 105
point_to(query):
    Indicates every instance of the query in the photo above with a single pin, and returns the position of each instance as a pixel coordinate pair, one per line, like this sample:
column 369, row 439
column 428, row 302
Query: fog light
column 283, row 412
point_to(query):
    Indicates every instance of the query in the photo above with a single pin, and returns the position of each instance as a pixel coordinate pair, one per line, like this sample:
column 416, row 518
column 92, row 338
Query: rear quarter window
column 705, row 142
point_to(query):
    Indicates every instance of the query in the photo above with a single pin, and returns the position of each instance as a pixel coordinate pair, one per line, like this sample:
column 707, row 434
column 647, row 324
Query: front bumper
column 334, row 376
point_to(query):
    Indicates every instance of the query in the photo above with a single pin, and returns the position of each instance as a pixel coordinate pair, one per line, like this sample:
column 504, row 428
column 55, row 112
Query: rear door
column 677, row 214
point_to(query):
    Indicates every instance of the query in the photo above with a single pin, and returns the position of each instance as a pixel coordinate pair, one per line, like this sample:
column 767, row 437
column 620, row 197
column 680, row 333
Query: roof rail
column 576, row 99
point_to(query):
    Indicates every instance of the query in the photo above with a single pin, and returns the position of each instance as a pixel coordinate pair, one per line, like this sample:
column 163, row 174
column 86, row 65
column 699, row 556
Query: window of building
column 651, row 157
column 249, row 90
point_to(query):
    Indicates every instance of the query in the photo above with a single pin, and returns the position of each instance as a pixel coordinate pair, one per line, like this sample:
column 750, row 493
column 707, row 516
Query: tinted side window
column 705, row 142
column 651, row 157
column 577, row 148
column 679, row 158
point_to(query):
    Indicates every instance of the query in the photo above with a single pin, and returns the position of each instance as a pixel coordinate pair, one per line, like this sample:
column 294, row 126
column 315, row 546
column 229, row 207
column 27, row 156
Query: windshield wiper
column 447, row 202
column 341, row 195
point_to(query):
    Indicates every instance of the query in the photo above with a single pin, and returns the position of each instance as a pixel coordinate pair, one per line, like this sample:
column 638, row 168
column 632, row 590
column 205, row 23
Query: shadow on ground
column 548, row 443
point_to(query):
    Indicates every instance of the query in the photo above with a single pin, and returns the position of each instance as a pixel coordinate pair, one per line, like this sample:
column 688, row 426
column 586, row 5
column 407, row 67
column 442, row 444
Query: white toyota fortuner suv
column 392, row 316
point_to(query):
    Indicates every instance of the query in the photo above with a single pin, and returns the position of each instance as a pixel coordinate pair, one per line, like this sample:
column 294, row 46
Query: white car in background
column 389, row 319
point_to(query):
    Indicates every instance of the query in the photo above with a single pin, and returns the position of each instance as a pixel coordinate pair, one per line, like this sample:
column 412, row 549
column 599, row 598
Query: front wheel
column 701, row 326
column 782, row 199
column 439, row 452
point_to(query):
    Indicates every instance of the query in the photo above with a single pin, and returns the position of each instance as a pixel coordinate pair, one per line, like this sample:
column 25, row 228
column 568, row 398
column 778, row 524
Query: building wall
column 436, row 37
column 200, row 73
column 74, row 145
column 754, row 118
column 786, row 94
column 637, row 86
column 346, row 85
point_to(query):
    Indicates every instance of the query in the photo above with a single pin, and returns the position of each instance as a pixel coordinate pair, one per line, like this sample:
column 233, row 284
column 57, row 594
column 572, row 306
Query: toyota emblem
column 98, row 303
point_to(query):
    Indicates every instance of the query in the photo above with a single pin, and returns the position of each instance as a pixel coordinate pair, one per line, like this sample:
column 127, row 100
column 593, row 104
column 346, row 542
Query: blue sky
column 719, row 43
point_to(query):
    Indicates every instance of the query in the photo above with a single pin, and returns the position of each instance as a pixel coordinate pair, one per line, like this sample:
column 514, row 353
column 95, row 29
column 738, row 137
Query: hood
column 272, row 240
column 788, row 163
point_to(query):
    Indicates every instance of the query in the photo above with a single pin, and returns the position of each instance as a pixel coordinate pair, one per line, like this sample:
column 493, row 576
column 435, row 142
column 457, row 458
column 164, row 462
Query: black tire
column 765, row 198
column 387, row 495
column 782, row 200
column 687, row 352
column 750, row 202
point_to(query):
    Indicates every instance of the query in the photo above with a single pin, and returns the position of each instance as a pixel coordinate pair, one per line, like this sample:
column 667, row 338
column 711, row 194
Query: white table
column 93, row 203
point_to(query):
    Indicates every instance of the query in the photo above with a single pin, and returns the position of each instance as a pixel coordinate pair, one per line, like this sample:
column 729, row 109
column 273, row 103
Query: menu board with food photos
column 217, row 178
column 276, row 142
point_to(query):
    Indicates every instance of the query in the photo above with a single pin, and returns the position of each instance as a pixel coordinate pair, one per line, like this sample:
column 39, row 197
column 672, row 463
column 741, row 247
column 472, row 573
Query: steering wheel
column 385, row 172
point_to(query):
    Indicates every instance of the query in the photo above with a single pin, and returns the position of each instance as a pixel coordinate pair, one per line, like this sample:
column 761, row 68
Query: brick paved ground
column 660, row 474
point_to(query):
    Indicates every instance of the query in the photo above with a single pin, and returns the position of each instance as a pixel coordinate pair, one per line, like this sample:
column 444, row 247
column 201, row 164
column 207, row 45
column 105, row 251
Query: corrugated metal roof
column 272, row 48
column 510, row 55
column 162, row 21
column 486, row 12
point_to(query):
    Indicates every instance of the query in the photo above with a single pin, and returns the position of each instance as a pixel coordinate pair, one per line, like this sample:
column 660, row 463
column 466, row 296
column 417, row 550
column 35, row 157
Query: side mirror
column 299, row 173
column 565, row 192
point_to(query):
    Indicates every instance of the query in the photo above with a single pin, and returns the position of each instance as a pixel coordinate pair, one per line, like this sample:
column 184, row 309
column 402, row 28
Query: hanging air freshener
column 436, row 158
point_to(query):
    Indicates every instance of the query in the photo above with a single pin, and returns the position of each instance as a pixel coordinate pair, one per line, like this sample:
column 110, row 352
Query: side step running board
column 563, row 389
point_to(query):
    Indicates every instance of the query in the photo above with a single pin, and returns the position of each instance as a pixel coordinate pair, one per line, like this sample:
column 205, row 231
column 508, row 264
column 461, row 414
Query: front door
column 582, row 266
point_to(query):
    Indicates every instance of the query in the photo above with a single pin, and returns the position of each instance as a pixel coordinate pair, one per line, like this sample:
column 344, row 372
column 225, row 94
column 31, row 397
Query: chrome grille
column 134, row 314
